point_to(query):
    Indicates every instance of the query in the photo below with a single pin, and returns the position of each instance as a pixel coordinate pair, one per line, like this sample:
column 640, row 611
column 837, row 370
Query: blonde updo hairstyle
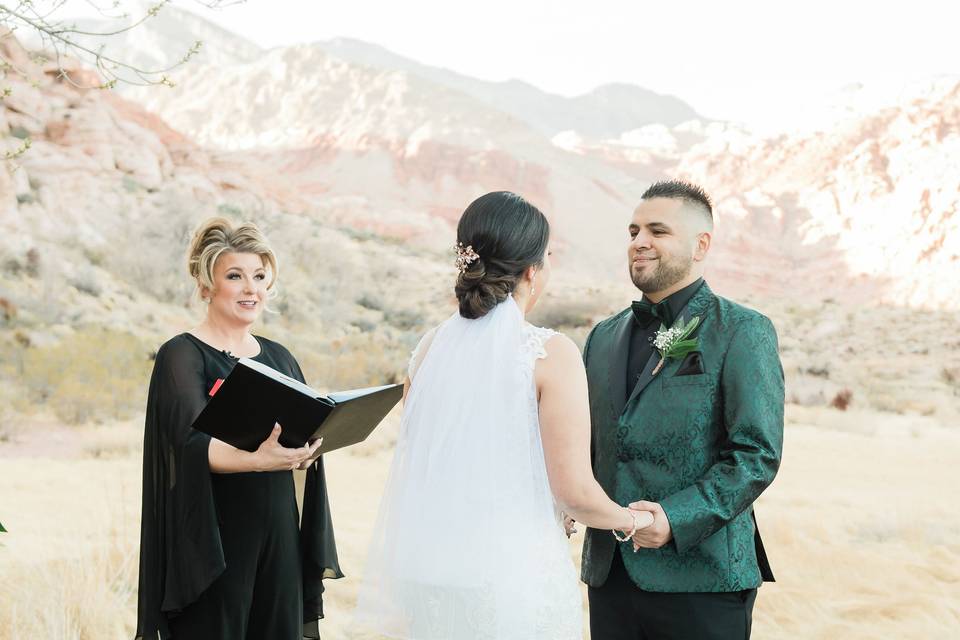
column 217, row 236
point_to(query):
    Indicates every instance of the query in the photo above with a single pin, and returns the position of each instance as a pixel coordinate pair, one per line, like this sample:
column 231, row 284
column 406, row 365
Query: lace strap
column 535, row 345
column 420, row 352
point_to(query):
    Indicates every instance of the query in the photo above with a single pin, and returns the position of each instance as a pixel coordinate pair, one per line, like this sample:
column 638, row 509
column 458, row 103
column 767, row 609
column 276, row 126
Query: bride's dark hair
column 510, row 235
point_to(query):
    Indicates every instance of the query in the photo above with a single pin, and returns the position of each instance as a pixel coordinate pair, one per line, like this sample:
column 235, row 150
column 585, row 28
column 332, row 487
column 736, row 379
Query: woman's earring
column 533, row 285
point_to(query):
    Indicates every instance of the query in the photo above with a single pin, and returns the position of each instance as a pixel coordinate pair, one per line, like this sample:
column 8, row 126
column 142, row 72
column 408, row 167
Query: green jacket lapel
column 617, row 371
column 645, row 378
column 695, row 306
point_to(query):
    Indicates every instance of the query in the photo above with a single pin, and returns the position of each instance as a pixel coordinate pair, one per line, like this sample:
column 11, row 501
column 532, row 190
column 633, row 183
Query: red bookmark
column 216, row 387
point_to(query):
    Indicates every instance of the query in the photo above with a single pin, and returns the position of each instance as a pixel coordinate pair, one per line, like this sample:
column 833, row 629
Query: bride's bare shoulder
column 562, row 356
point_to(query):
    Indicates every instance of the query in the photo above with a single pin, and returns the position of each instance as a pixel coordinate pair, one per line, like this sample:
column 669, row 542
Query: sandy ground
column 861, row 527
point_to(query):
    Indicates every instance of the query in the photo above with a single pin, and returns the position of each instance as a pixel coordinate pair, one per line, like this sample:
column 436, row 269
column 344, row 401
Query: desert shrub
column 951, row 376
column 558, row 313
column 33, row 262
column 818, row 371
column 94, row 374
column 842, row 399
column 404, row 319
column 230, row 210
column 369, row 301
column 86, row 281
column 357, row 360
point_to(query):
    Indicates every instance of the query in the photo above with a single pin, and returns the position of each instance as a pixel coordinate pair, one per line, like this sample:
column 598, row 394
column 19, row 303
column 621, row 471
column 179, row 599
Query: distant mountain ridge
column 863, row 213
column 606, row 112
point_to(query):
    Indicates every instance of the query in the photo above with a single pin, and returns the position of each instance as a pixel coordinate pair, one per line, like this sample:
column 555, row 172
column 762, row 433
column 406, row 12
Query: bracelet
column 633, row 530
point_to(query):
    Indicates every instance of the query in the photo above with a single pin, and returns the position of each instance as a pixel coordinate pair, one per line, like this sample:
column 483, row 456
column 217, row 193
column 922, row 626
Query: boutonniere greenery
column 675, row 342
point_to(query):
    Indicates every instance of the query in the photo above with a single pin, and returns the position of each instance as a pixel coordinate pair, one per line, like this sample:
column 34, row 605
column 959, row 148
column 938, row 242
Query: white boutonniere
column 675, row 342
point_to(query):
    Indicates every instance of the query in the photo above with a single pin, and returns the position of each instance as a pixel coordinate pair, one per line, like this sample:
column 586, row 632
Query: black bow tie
column 645, row 312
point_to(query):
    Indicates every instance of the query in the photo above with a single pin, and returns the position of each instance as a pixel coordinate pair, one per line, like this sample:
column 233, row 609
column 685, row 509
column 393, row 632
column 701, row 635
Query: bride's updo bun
column 508, row 235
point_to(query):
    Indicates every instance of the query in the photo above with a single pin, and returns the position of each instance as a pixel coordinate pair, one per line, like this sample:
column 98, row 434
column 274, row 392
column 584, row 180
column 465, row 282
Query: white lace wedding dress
column 468, row 543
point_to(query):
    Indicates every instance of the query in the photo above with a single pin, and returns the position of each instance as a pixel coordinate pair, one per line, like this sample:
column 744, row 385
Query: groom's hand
column 657, row 534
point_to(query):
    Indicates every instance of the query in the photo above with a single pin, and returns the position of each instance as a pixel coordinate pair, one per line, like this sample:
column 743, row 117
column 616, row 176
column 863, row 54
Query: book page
column 343, row 396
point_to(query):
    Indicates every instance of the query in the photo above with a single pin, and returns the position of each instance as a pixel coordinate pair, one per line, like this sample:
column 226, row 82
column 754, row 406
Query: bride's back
column 468, row 543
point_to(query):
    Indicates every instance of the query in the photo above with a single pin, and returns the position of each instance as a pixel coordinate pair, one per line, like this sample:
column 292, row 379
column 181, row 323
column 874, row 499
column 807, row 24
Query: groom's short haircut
column 692, row 195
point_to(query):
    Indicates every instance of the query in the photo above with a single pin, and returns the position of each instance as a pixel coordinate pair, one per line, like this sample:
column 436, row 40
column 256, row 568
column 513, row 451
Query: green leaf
column 689, row 327
column 681, row 344
column 2, row 530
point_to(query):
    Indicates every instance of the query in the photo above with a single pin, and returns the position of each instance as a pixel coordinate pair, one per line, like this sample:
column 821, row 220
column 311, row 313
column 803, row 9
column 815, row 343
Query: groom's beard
column 668, row 272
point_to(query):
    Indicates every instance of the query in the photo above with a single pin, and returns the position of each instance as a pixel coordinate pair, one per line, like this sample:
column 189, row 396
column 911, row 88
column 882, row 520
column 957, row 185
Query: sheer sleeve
column 320, row 560
column 180, row 549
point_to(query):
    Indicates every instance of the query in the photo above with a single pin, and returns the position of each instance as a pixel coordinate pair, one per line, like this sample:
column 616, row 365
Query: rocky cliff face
column 864, row 212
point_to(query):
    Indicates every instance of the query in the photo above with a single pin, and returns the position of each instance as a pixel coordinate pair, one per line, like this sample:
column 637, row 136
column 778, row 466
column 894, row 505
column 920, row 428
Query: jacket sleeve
column 752, row 394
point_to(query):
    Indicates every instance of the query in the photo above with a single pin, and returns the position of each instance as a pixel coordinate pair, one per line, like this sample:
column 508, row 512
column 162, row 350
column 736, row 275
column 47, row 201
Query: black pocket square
column 691, row 365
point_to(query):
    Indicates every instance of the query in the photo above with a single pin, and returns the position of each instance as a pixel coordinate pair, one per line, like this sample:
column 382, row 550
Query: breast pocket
column 686, row 381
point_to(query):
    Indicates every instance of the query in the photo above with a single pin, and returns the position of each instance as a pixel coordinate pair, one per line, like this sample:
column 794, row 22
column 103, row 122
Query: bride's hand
column 569, row 525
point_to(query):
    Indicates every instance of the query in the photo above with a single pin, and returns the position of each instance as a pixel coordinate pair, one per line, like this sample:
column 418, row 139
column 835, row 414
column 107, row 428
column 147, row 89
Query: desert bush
column 33, row 262
column 369, row 301
column 357, row 360
column 404, row 319
column 8, row 310
column 818, row 371
column 951, row 376
column 95, row 374
column 86, row 281
column 842, row 399
column 557, row 313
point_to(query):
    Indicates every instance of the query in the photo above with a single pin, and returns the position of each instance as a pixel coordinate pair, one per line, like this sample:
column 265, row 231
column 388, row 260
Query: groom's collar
column 679, row 299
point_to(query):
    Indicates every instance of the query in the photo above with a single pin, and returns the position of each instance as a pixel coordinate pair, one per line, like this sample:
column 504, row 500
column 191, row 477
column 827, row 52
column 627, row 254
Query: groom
column 697, row 438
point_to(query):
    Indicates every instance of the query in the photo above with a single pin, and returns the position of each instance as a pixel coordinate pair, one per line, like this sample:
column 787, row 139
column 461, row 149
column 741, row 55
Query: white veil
column 468, row 542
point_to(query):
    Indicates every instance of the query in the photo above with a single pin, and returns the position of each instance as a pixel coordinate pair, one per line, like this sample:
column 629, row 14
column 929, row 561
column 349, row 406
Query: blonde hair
column 217, row 236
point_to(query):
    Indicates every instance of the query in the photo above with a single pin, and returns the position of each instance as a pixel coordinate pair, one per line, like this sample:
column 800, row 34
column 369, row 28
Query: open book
column 253, row 397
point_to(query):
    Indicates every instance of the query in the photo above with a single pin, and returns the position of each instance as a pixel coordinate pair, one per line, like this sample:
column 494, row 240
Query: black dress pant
column 619, row 610
column 259, row 595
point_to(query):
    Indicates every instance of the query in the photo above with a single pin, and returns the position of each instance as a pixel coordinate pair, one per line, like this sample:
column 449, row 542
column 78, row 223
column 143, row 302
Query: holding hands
column 657, row 533
column 652, row 527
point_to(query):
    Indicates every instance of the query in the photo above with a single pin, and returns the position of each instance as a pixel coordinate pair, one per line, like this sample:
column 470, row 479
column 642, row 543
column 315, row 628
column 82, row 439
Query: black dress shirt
column 641, row 337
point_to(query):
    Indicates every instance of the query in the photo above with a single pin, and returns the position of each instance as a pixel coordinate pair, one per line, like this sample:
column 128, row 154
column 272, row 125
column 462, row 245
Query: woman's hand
column 273, row 456
column 312, row 446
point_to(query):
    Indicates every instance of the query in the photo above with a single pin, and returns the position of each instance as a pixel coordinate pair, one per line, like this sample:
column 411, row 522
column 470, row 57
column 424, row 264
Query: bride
column 494, row 442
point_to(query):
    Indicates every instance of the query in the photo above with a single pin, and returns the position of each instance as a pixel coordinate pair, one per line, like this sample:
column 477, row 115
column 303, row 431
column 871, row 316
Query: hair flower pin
column 465, row 256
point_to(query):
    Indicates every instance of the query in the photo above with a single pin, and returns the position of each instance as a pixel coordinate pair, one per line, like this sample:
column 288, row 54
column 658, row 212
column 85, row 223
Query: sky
column 745, row 61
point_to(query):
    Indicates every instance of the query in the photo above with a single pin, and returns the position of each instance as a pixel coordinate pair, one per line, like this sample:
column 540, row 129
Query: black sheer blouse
column 180, row 549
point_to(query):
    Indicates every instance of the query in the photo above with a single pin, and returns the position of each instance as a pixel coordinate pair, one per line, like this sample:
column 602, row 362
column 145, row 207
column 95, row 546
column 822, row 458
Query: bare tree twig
column 61, row 39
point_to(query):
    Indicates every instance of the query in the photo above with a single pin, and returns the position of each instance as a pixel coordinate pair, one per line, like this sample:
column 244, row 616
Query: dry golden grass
column 861, row 526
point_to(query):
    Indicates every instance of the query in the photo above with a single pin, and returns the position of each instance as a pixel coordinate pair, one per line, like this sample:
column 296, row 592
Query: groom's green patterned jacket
column 703, row 445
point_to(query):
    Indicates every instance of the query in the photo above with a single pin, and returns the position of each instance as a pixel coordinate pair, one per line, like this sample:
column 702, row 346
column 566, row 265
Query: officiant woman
column 223, row 551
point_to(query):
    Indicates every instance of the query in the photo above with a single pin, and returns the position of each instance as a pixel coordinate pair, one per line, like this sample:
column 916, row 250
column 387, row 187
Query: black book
column 253, row 397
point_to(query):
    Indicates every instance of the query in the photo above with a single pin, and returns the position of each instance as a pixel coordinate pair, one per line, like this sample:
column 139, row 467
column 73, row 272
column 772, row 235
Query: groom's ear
column 703, row 246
